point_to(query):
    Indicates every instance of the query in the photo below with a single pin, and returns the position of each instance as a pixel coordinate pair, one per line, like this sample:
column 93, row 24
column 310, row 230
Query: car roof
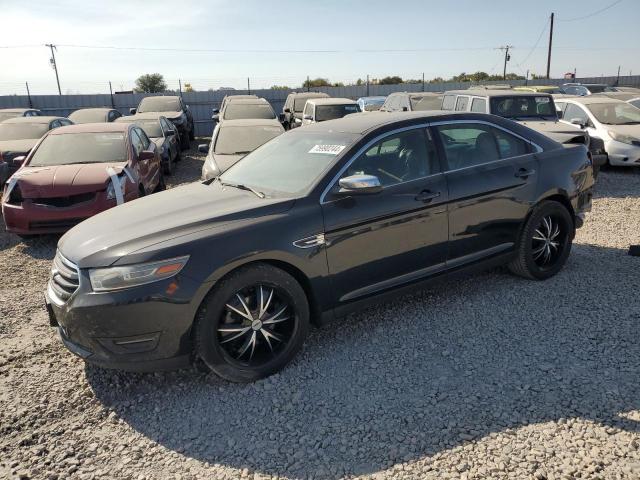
column 36, row 119
column 331, row 101
column 251, row 101
column 230, row 98
column 140, row 116
column 92, row 128
column 586, row 84
column 593, row 99
column 251, row 122
column 94, row 109
column 495, row 93
column 417, row 94
column 310, row 94
column 163, row 96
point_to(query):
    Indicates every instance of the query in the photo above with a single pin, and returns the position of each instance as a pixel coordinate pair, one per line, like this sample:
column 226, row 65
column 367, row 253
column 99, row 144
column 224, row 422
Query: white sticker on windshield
column 328, row 149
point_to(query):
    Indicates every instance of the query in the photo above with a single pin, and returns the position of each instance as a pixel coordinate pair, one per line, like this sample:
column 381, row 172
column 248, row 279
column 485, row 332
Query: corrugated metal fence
column 202, row 103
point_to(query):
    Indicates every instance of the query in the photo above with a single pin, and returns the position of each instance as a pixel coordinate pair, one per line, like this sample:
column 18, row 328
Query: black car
column 313, row 224
column 175, row 110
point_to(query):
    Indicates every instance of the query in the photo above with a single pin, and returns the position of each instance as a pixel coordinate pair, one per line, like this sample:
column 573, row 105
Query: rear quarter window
column 448, row 102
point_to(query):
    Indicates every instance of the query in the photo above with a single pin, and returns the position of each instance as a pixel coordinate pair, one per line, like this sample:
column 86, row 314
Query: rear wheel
column 192, row 134
column 161, row 183
column 168, row 166
column 545, row 242
column 252, row 324
column 184, row 141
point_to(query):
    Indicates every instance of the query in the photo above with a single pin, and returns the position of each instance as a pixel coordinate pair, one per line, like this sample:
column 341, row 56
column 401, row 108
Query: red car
column 78, row 171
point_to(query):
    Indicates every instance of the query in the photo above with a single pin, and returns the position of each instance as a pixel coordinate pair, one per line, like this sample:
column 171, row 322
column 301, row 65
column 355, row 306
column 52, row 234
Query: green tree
column 151, row 83
column 280, row 87
column 390, row 80
column 316, row 82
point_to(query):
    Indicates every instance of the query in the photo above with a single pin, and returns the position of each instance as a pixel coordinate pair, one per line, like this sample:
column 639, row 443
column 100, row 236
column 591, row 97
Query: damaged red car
column 78, row 171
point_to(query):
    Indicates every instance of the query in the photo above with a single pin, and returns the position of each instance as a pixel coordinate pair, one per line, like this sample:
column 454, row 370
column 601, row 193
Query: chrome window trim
column 368, row 145
column 68, row 263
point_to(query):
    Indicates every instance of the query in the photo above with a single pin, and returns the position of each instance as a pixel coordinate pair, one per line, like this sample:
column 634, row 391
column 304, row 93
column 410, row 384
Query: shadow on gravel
column 610, row 180
column 402, row 381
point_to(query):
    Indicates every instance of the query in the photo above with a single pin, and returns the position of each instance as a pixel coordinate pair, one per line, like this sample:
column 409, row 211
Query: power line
column 544, row 29
column 591, row 14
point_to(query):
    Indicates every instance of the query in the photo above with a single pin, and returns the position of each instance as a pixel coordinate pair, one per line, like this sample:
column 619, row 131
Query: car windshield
column 635, row 103
column 241, row 111
column 239, row 140
column 7, row 115
column 88, row 116
column 74, row 148
column 600, row 88
column 298, row 103
column 427, row 102
column 151, row 127
column 289, row 164
column 615, row 113
column 22, row 131
column 518, row 107
column 159, row 104
column 331, row 112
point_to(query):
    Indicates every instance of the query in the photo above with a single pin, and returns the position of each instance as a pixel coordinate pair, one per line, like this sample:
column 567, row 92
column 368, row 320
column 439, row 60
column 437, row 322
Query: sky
column 212, row 44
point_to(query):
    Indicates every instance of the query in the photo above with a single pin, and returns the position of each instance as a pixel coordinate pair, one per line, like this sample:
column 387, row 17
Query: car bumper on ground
column 623, row 154
column 32, row 217
column 144, row 328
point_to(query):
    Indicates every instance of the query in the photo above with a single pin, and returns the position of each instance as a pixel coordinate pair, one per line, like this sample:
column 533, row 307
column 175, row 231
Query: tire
column 231, row 340
column 178, row 155
column 184, row 142
column 161, row 183
column 192, row 134
column 545, row 242
column 168, row 167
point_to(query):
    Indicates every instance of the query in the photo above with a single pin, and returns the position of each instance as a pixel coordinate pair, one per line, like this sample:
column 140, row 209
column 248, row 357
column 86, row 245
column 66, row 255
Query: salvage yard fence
column 202, row 103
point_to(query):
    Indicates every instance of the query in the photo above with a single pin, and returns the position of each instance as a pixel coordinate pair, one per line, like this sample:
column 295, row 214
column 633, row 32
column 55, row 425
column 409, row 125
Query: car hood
column 105, row 238
column 557, row 131
column 169, row 115
column 224, row 162
column 21, row 146
column 62, row 180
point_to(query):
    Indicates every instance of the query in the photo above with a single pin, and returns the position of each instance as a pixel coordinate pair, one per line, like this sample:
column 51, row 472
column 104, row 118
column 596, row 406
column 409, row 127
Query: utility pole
column 550, row 44
column 248, row 87
column 308, row 84
column 113, row 104
column 423, row 81
column 54, row 64
column 526, row 79
column 368, row 84
column 29, row 95
column 180, row 87
column 507, row 57
column 618, row 77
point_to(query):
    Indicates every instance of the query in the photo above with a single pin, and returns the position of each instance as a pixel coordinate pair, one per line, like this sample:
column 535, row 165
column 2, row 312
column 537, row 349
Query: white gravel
column 490, row 376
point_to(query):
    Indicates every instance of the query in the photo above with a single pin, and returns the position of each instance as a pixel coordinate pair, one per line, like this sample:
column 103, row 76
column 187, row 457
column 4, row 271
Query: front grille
column 65, row 278
column 64, row 202
column 55, row 224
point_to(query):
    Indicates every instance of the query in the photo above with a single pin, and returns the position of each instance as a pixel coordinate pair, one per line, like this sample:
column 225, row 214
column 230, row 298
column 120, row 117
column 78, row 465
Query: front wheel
column 545, row 242
column 252, row 324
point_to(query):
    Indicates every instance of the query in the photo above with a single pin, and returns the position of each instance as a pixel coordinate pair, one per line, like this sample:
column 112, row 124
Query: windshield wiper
column 240, row 153
column 627, row 123
column 242, row 187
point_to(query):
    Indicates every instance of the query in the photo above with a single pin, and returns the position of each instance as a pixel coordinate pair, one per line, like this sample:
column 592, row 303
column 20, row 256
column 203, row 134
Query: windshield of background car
column 22, row 131
column 331, row 112
column 615, row 113
column 600, row 88
column 7, row 115
column 159, row 104
column 635, row 103
column 243, row 139
column 239, row 111
column 74, row 148
column 523, row 107
column 290, row 164
column 88, row 116
column 298, row 103
column 151, row 127
column 421, row 103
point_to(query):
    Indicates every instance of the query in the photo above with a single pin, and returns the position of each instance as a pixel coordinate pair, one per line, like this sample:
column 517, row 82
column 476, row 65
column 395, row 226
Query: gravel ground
column 488, row 376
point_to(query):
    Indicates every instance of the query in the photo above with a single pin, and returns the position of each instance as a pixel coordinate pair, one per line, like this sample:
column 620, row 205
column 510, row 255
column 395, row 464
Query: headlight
column 117, row 278
column 620, row 137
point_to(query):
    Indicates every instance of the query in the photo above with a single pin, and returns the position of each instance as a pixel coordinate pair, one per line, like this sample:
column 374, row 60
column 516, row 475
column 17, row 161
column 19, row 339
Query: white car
column 232, row 140
column 616, row 122
column 323, row 109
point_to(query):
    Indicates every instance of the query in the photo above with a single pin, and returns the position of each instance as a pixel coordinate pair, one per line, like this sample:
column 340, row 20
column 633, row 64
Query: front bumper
column 623, row 154
column 31, row 217
column 145, row 328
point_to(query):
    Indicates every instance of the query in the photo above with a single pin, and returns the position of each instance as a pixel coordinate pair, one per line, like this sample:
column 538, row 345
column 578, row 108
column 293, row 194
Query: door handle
column 524, row 173
column 426, row 196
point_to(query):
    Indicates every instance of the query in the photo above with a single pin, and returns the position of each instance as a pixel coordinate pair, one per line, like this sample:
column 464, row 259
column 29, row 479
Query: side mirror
column 287, row 110
column 360, row 185
column 578, row 121
column 281, row 117
column 307, row 117
column 216, row 111
column 133, row 111
column 203, row 148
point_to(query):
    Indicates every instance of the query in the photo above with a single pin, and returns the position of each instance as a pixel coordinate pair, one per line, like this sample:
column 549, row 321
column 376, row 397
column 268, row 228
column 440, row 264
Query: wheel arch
column 557, row 196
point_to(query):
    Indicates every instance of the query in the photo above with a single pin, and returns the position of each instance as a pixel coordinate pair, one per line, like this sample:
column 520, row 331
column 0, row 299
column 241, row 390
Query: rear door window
column 573, row 111
column 461, row 104
column 479, row 105
column 448, row 102
column 509, row 145
column 136, row 141
column 468, row 144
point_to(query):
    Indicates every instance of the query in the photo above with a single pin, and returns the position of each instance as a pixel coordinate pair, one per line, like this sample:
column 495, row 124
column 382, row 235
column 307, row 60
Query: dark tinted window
column 510, row 145
column 241, row 140
column 80, row 148
column 523, row 106
column 461, row 104
column 143, row 137
column 331, row 112
column 398, row 158
column 136, row 141
column 479, row 105
column 468, row 144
